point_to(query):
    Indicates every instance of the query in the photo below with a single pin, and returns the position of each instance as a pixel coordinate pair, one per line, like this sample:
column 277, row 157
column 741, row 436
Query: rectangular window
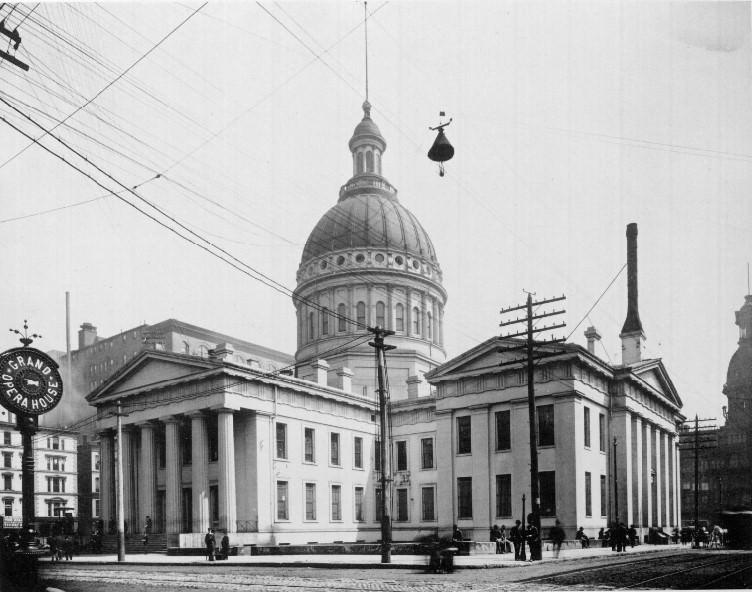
column 96, row 484
column 377, row 456
column 282, row 501
column 545, row 425
column 7, row 482
column 401, row 505
column 402, row 455
column 378, row 504
column 464, row 497
column 8, row 507
column 503, row 430
column 336, row 502
column 310, row 501
column 547, row 480
column 309, row 437
column 588, row 495
column 6, row 438
column 602, row 432
column 359, row 514
column 427, row 504
column 95, row 509
column 358, row 452
column 334, row 448
column 587, row 427
column 463, row 435
column 282, row 440
column 7, row 457
column 503, row 496
column 426, row 453
column 603, row 495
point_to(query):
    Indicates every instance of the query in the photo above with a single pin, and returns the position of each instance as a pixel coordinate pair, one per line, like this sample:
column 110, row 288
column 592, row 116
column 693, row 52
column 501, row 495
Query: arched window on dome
column 361, row 314
column 369, row 161
column 311, row 326
column 377, row 162
column 380, row 321
column 359, row 167
column 429, row 326
column 399, row 320
column 325, row 321
column 416, row 320
column 341, row 313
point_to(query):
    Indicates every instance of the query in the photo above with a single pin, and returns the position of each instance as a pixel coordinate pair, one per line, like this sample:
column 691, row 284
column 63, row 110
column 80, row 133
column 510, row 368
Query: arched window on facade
column 311, row 326
column 325, row 321
column 429, row 326
column 361, row 314
column 359, row 159
column 399, row 317
column 341, row 320
column 380, row 321
column 369, row 161
column 416, row 320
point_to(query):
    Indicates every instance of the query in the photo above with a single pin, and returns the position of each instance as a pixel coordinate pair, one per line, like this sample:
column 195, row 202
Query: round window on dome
column 398, row 260
column 379, row 258
column 340, row 260
column 323, row 264
column 416, row 265
column 360, row 258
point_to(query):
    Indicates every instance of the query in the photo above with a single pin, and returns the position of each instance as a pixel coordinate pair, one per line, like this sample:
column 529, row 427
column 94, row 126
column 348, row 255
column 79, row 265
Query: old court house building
column 275, row 459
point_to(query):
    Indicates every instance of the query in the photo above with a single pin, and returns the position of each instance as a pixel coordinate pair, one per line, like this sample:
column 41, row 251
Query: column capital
column 170, row 419
column 144, row 424
column 197, row 414
column 224, row 410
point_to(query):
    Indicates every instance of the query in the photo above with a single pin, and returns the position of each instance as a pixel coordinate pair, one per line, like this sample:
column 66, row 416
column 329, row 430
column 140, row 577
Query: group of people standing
column 517, row 538
column 212, row 551
column 60, row 547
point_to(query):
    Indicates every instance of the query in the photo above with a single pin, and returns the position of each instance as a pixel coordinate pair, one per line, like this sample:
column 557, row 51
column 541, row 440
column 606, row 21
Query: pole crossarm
column 538, row 330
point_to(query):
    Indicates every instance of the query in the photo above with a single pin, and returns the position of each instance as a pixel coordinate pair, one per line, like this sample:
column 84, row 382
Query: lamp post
column 119, row 489
column 616, row 492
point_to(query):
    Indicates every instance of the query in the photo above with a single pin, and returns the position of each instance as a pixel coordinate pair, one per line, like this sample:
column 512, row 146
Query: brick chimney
column 320, row 371
column 87, row 335
column 632, row 336
column 592, row 335
column 223, row 352
column 344, row 379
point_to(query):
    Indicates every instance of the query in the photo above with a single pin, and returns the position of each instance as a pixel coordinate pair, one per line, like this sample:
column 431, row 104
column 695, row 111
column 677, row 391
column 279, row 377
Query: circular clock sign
column 30, row 383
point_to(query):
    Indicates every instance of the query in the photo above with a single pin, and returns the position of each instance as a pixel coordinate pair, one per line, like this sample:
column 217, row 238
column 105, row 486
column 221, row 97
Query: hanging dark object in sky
column 442, row 150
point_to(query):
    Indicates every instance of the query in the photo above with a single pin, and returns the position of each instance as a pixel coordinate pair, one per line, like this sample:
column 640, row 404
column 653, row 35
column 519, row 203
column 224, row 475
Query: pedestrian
column 210, row 543
column 516, row 534
column 53, row 548
column 582, row 537
column 147, row 525
column 557, row 536
column 504, row 542
column 621, row 537
column 495, row 537
column 60, row 544
column 225, row 546
column 145, row 542
column 533, row 539
column 68, row 548
column 456, row 534
column 632, row 533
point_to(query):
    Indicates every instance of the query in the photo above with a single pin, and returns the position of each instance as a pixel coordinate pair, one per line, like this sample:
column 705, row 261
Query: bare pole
column 534, row 484
column 616, row 489
column 365, row 26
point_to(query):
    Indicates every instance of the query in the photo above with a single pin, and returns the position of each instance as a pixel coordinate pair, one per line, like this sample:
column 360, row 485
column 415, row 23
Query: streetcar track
column 712, row 583
column 681, row 571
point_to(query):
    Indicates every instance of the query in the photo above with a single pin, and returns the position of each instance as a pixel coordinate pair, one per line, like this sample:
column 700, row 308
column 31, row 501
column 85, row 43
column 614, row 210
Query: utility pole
column 16, row 38
column 706, row 435
column 119, row 490
column 528, row 347
column 384, row 448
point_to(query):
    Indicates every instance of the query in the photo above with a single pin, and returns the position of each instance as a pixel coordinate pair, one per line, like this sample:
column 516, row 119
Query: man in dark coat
column 557, row 536
column 210, row 543
column 516, row 534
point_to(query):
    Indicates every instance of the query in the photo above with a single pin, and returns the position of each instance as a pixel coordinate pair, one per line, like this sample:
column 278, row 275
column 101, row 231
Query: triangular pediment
column 149, row 370
column 654, row 373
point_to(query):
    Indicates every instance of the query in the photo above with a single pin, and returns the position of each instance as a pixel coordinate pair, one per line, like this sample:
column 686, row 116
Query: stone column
column 637, row 472
column 351, row 313
column 622, row 431
column 106, row 478
column 389, row 308
column 667, row 470
column 677, row 481
column 659, row 477
column 130, row 514
column 370, row 313
column 147, row 474
column 647, row 479
column 226, row 489
column 200, row 472
column 423, row 316
column 173, row 491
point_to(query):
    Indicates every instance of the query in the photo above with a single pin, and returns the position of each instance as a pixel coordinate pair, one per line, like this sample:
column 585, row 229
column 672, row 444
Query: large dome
column 740, row 368
column 367, row 220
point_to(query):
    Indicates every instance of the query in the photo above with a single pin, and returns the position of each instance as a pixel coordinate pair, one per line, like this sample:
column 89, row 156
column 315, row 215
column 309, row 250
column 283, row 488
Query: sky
column 569, row 121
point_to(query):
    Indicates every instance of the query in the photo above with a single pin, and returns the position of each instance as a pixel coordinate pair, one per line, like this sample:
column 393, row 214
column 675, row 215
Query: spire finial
column 26, row 340
column 365, row 23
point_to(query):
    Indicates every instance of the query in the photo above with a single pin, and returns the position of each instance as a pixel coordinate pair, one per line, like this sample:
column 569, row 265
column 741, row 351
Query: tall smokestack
column 632, row 334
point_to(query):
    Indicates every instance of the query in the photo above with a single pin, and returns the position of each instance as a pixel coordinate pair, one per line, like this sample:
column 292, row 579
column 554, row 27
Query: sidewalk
column 355, row 561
